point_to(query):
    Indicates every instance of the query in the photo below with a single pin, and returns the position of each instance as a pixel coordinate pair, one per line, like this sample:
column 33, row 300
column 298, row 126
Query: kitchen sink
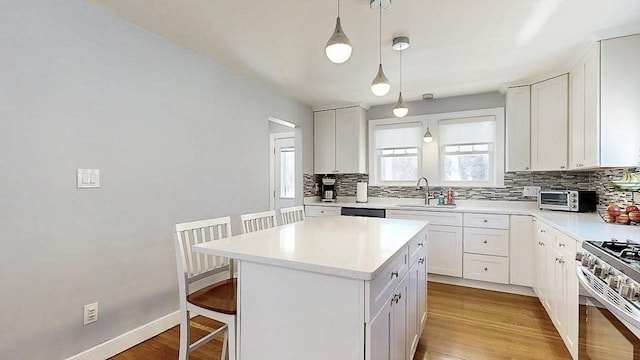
column 423, row 206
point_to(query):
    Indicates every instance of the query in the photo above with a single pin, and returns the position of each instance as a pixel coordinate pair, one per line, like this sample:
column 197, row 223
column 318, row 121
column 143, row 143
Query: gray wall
column 444, row 105
column 176, row 138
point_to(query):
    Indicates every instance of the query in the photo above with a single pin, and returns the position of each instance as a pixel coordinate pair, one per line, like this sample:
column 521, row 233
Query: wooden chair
column 292, row 214
column 258, row 221
column 206, row 284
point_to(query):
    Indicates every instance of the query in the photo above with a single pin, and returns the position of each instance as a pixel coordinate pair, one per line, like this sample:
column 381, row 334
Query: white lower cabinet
column 444, row 248
column 556, row 283
column 521, row 247
column 321, row 210
column 486, row 247
column 398, row 305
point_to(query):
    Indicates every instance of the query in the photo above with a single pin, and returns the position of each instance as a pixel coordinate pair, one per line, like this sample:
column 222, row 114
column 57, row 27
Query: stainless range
column 609, row 274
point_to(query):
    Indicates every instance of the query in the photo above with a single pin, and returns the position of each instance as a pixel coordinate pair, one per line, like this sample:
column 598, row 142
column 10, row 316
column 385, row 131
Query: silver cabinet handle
column 486, row 269
column 485, row 241
column 420, row 244
column 526, row 168
column 484, row 220
column 561, row 244
column 421, row 261
column 562, row 166
column 561, row 261
column 394, row 274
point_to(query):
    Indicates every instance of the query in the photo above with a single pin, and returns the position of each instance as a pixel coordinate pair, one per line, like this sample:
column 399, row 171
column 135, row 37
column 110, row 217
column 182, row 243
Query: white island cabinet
column 333, row 287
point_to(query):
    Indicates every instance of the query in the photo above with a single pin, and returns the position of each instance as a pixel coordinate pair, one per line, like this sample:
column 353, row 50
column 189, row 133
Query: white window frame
column 490, row 152
column 497, row 173
column 374, row 158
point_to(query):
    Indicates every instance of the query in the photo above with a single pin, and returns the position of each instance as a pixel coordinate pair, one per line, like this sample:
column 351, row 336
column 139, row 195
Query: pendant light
column 338, row 47
column 380, row 85
column 400, row 43
column 427, row 137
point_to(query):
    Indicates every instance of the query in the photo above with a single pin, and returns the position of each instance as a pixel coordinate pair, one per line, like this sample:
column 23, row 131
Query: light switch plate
column 88, row 178
column 531, row 190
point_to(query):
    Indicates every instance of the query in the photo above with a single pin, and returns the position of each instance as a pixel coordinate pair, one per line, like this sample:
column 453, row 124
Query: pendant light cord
column 380, row 37
column 400, row 71
column 338, row 8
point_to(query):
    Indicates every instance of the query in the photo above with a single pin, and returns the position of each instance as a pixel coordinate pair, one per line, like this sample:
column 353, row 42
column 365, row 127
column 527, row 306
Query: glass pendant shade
column 401, row 109
column 338, row 47
column 427, row 136
column 380, row 85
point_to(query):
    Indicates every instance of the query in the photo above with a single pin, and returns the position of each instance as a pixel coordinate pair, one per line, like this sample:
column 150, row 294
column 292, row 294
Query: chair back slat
column 194, row 266
column 258, row 221
column 292, row 214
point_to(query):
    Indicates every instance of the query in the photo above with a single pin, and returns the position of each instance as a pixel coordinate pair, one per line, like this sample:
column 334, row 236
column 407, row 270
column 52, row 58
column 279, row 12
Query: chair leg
column 231, row 329
column 185, row 339
column 225, row 341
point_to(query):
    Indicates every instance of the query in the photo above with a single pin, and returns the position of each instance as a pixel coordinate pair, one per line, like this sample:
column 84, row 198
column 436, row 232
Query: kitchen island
column 330, row 288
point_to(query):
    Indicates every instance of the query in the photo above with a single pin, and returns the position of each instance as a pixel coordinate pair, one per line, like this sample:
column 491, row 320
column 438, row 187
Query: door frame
column 272, row 151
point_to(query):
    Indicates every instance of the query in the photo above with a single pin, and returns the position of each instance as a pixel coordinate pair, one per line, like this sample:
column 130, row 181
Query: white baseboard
column 122, row 342
column 512, row 289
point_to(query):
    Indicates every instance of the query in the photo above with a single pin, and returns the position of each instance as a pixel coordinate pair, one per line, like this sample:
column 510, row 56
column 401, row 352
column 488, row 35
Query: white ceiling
column 457, row 46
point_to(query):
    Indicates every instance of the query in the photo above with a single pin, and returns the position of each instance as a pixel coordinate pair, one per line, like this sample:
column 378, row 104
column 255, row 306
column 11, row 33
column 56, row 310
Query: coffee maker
column 328, row 189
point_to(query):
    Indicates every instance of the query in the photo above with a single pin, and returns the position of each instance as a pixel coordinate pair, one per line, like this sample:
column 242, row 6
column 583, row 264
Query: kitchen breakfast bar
column 330, row 288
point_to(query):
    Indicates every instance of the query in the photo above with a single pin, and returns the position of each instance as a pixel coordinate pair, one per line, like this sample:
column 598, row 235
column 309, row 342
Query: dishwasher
column 366, row 212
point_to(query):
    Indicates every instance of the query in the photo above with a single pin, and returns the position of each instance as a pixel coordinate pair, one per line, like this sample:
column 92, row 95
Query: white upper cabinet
column 340, row 141
column 584, row 90
column 620, row 102
column 518, row 140
column 549, row 124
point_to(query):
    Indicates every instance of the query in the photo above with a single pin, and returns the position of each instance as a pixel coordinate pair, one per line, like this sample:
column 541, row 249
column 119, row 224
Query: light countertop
column 353, row 247
column 581, row 226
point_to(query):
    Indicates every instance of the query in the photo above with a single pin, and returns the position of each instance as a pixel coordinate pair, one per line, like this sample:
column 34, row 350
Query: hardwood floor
column 462, row 323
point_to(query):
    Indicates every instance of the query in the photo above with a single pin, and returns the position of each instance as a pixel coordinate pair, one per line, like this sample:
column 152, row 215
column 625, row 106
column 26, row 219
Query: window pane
column 471, row 167
column 481, row 147
column 287, row 174
column 450, row 148
column 399, row 168
column 412, row 151
column 387, row 152
column 466, row 148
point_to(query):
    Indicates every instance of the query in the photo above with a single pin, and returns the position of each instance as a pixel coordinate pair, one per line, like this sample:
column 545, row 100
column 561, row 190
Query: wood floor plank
column 462, row 324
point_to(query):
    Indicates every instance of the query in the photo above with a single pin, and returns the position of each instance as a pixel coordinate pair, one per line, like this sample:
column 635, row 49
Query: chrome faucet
column 426, row 189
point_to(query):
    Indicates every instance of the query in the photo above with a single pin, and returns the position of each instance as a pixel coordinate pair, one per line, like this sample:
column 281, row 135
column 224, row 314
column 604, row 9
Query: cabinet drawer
column 489, row 221
column 311, row 211
column 433, row 217
column 486, row 268
column 486, row 241
column 416, row 247
column 382, row 286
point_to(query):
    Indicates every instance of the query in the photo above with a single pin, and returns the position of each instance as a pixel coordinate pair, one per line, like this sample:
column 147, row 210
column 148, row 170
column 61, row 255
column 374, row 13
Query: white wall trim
column 272, row 149
column 131, row 338
column 506, row 288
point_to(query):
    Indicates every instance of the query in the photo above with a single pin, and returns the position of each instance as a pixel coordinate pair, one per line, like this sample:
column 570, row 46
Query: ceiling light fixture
column 380, row 85
column 338, row 47
column 400, row 43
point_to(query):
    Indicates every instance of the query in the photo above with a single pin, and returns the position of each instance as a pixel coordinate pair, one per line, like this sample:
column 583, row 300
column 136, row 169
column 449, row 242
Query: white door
column 284, row 192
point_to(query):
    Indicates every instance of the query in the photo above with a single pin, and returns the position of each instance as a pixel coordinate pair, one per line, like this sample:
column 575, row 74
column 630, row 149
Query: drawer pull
column 395, row 298
column 485, row 220
column 420, row 244
column 561, row 261
column 421, row 261
column 484, row 242
column 560, row 244
column 486, row 269
column 558, row 259
column 542, row 231
column 394, row 274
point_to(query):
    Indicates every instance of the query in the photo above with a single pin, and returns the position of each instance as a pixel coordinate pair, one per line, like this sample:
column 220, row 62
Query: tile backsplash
column 514, row 183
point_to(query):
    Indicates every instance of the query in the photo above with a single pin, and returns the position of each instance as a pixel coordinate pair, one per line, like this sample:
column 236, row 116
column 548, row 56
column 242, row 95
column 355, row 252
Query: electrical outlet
column 90, row 313
column 531, row 190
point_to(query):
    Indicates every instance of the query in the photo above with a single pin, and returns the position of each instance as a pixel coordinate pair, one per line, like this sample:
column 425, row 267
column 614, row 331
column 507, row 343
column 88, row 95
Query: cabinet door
column 379, row 334
column 549, row 124
column 324, row 142
column 557, row 290
column 619, row 99
column 521, row 248
column 422, row 291
column 584, row 132
column 518, row 140
column 444, row 249
column 413, row 308
column 399, row 321
column 350, row 158
column 540, row 263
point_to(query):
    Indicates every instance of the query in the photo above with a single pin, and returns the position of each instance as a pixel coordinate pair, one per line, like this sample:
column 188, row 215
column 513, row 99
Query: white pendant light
column 400, row 110
column 380, row 85
column 427, row 136
column 338, row 48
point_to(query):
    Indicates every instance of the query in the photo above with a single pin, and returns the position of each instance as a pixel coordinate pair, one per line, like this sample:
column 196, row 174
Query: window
column 287, row 173
column 467, row 151
column 397, row 153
